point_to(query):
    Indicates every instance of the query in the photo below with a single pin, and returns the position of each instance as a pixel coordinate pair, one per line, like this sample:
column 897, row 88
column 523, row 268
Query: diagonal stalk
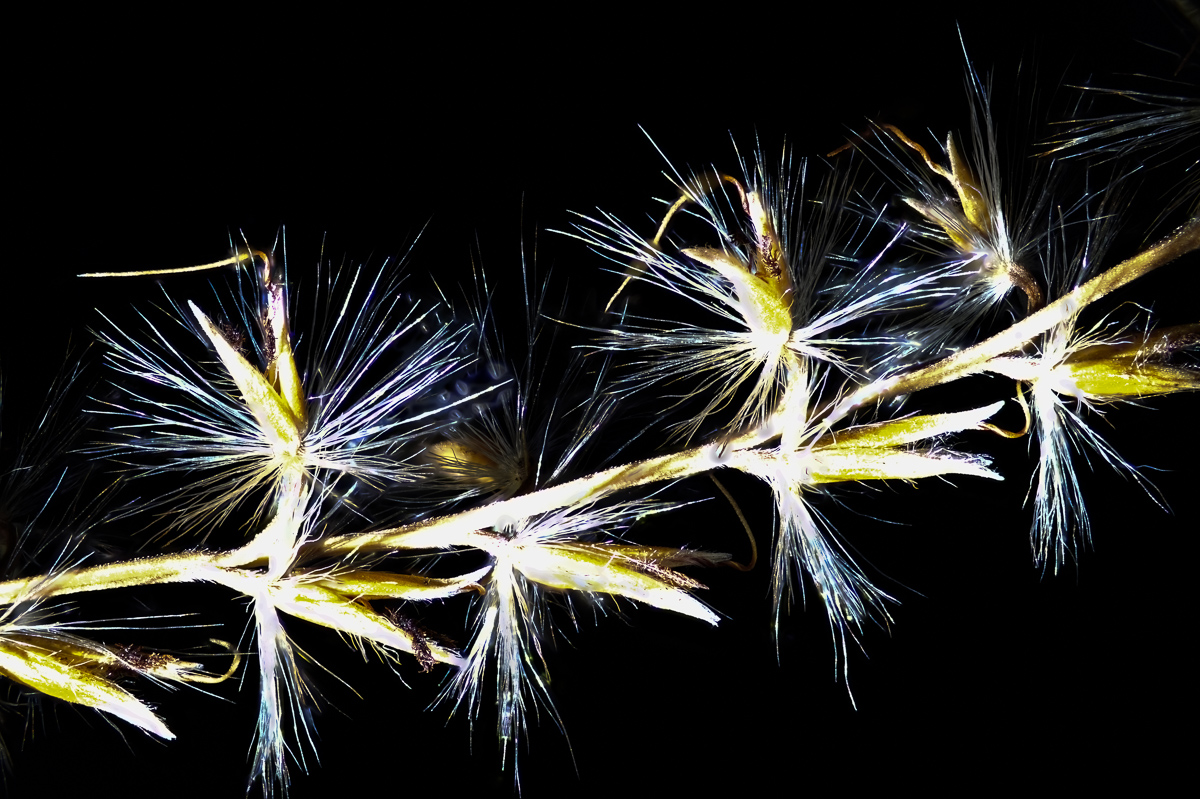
column 458, row 529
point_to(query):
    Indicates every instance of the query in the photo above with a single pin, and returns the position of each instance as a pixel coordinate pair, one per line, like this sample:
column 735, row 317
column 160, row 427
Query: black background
column 144, row 152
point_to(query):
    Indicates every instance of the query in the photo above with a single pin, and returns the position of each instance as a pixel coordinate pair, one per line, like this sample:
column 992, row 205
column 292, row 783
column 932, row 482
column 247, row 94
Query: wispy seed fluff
column 352, row 412
column 763, row 273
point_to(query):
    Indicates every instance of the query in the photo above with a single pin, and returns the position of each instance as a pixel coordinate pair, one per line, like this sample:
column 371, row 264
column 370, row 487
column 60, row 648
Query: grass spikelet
column 371, row 357
column 282, row 698
column 768, row 282
column 509, row 631
column 566, row 551
column 979, row 204
column 1076, row 370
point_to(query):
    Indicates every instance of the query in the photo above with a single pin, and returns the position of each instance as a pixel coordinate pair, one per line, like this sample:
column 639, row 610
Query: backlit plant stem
column 459, row 529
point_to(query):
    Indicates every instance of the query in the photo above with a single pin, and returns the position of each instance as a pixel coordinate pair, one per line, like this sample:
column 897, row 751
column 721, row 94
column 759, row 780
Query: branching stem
column 230, row 568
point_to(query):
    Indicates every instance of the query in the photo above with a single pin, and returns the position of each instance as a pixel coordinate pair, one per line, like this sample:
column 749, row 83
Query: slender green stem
column 185, row 567
column 181, row 568
column 439, row 533
column 457, row 529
